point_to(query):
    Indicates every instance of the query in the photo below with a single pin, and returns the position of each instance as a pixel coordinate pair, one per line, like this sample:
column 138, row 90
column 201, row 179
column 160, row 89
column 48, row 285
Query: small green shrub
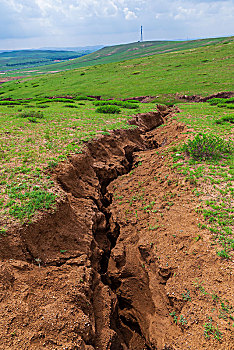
column 222, row 102
column 3, row 231
column 210, row 329
column 123, row 104
column 44, row 100
column 205, row 146
column 215, row 101
column 133, row 101
column 129, row 105
column 83, row 98
column 56, row 99
column 9, row 103
column 230, row 105
column 225, row 119
column 31, row 114
column 223, row 254
column 32, row 120
column 70, row 106
column 108, row 109
column 52, row 164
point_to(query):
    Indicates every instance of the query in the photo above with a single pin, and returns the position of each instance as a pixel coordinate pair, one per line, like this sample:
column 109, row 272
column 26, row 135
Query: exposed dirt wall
column 52, row 295
column 105, row 271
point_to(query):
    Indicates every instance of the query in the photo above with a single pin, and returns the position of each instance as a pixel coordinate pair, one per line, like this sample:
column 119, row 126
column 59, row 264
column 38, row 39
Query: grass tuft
column 205, row 146
column 31, row 114
column 108, row 109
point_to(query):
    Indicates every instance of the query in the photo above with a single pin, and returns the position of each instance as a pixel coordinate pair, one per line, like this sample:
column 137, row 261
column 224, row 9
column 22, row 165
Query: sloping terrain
column 118, row 265
column 112, row 235
column 201, row 71
column 125, row 52
column 140, row 49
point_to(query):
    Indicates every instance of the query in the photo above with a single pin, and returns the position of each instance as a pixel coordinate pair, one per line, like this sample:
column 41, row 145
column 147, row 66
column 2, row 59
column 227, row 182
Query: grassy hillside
column 201, row 71
column 37, row 133
column 124, row 52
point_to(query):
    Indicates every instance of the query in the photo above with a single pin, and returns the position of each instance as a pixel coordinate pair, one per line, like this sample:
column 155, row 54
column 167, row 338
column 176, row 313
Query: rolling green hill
column 203, row 70
column 139, row 49
column 123, row 52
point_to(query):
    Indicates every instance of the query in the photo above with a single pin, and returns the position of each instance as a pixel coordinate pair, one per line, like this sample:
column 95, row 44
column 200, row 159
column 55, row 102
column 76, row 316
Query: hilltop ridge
column 122, row 52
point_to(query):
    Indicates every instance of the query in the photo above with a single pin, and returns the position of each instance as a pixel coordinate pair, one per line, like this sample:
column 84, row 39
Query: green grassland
column 196, row 71
column 36, row 133
column 125, row 52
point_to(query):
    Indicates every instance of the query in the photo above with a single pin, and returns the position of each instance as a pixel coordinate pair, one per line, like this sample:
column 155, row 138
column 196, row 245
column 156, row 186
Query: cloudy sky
column 46, row 23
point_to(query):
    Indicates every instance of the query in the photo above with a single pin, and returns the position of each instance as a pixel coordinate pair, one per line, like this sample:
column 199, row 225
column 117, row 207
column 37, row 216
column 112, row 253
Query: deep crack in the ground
column 123, row 327
column 107, row 270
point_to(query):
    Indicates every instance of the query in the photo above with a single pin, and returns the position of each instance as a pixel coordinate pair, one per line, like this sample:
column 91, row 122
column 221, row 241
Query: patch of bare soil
column 6, row 79
column 118, row 266
column 142, row 99
column 197, row 98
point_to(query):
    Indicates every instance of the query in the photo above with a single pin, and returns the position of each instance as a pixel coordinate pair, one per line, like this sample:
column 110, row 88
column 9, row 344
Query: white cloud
column 80, row 22
column 129, row 14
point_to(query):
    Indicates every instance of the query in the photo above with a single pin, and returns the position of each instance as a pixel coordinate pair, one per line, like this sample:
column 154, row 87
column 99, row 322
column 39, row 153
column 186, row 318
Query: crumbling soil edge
column 197, row 98
column 106, row 237
column 85, row 179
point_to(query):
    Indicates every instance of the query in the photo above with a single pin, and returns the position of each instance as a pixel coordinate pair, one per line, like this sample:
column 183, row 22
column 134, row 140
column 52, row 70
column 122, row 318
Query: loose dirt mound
column 110, row 266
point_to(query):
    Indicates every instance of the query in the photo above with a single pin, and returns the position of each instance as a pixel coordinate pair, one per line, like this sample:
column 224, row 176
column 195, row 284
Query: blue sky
column 61, row 23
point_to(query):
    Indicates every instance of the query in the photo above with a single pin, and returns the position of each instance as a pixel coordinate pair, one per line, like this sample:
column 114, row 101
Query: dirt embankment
column 110, row 266
column 197, row 98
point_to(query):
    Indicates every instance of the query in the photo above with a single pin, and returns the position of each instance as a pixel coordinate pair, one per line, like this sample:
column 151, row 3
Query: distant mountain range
column 74, row 49
column 23, row 59
column 78, row 48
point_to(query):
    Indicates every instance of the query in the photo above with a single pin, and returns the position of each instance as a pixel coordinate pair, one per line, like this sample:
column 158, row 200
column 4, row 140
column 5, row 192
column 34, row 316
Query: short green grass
column 37, row 132
column 125, row 52
column 202, row 116
column 34, row 140
column 200, row 71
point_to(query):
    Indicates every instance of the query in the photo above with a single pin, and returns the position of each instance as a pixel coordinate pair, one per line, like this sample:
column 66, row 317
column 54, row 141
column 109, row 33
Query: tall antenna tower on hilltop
column 141, row 34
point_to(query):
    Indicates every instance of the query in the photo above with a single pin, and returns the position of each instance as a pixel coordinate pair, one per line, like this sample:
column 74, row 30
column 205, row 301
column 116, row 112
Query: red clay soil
column 117, row 266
